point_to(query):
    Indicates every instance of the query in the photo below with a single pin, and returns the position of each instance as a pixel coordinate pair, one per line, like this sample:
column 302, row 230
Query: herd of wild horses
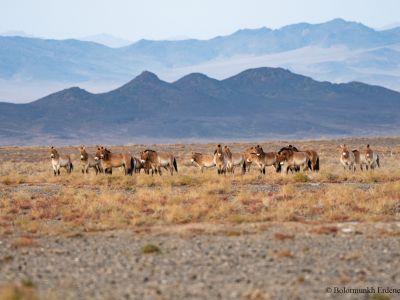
column 151, row 161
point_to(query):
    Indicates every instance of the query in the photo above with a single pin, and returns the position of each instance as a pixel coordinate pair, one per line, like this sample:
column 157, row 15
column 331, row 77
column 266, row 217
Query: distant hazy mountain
column 107, row 40
column 256, row 103
column 337, row 51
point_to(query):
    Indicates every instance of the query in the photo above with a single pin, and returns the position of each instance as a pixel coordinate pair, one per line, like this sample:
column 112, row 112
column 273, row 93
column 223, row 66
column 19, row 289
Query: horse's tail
column 244, row 167
column 377, row 161
column 309, row 163
column 131, row 166
column 71, row 167
column 175, row 165
column 317, row 164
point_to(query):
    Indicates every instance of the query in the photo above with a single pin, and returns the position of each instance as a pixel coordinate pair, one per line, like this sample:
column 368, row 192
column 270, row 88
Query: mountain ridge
column 256, row 103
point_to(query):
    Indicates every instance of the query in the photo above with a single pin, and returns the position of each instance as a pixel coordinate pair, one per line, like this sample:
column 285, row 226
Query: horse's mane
column 149, row 150
column 288, row 148
column 197, row 153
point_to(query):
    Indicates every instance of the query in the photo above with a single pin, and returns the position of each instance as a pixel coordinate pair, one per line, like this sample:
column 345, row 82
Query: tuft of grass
column 300, row 177
column 282, row 236
column 24, row 242
column 18, row 292
column 325, row 230
column 284, row 254
column 378, row 297
column 150, row 248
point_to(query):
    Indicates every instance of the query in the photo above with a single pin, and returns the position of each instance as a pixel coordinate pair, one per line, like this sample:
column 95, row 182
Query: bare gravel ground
column 205, row 261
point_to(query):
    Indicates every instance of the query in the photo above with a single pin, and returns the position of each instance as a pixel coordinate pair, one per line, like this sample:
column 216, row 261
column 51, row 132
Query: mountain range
column 337, row 51
column 254, row 104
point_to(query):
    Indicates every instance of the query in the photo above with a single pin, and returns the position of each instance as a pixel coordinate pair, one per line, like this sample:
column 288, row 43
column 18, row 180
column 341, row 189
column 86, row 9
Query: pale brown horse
column 111, row 160
column 220, row 159
column 294, row 159
column 370, row 158
column 314, row 159
column 348, row 158
column 58, row 162
column 88, row 161
column 233, row 160
column 249, row 156
column 158, row 160
column 202, row 160
column 265, row 159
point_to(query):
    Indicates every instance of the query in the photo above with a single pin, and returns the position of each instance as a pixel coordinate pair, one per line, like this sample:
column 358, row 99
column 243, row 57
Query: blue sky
column 157, row 19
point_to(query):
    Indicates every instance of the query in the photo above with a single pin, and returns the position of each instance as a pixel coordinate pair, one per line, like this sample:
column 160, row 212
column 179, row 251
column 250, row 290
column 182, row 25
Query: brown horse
column 294, row 159
column 249, row 156
column 265, row 159
column 158, row 160
column 220, row 159
column 139, row 166
column 202, row 160
column 314, row 159
column 111, row 160
column 88, row 161
column 289, row 148
column 58, row 162
column 233, row 160
column 370, row 158
column 348, row 158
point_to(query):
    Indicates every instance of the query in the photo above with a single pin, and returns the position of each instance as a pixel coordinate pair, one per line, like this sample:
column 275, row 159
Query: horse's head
column 144, row 156
column 345, row 151
column 218, row 150
column 258, row 150
column 53, row 152
column 83, row 152
column 100, row 153
column 283, row 156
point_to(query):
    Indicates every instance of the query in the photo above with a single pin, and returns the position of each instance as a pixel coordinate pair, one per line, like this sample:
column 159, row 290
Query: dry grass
column 33, row 201
column 24, row 291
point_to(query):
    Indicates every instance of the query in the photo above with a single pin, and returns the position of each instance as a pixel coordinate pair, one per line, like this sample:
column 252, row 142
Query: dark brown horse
column 111, row 160
column 294, row 159
column 158, row 160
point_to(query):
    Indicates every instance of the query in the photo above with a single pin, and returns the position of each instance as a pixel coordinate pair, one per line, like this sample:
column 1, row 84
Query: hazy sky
column 160, row 19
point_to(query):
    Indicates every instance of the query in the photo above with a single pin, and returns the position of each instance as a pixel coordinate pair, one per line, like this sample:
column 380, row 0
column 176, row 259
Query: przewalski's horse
column 314, row 157
column 265, row 159
column 294, row 159
column 202, row 160
column 349, row 158
column 220, row 159
column 111, row 160
column 233, row 160
column 139, row 166
column 88, row 161
column 158, row 160
column 58, row 162
column 249, row 157
column 371, row 158
column 290, row 149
